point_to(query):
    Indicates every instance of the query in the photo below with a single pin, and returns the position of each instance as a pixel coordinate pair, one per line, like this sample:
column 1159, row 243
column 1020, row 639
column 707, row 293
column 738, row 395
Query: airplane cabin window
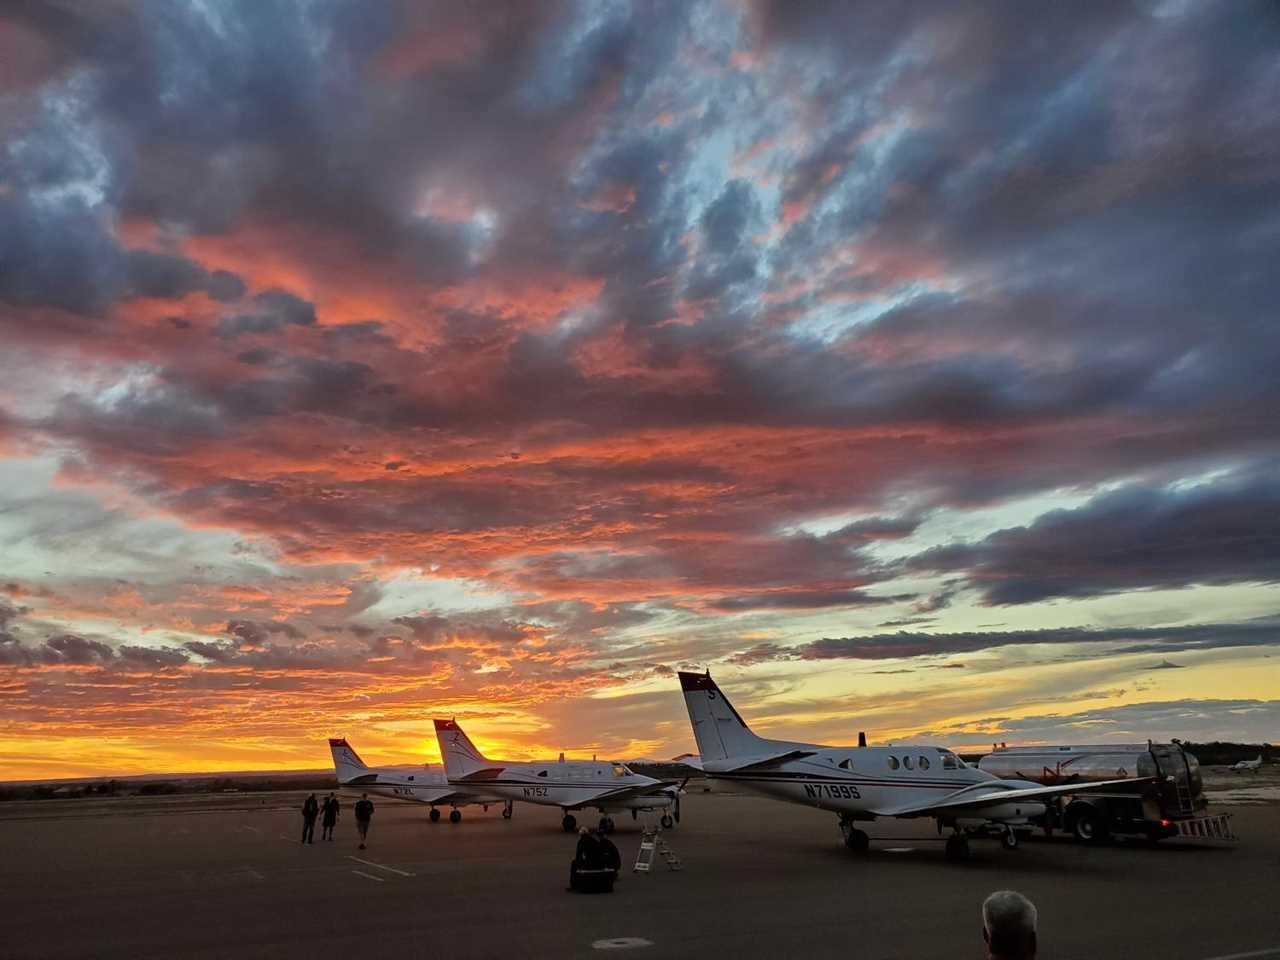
column 924, row 763
column 908, row 762
column 893, row 763
column 844, row 765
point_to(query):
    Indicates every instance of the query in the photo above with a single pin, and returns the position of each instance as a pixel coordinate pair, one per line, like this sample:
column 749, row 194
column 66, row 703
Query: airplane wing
column 990, row 794
column 689, row 760
column 654, row 790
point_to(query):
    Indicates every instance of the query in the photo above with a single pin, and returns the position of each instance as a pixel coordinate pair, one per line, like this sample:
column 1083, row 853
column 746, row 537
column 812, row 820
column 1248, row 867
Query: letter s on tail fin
column 346, row 762
column 460, row 756
column 720, row 732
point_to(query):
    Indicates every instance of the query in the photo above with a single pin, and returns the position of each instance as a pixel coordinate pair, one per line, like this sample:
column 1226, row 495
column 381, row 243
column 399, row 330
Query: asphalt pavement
column 760, row 879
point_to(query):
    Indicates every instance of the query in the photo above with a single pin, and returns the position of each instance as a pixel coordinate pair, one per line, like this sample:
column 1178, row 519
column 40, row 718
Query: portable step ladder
column 651, row 843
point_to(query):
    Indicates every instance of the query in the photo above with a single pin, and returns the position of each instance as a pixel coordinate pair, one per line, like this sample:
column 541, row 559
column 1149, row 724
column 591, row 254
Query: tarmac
column 227, row 877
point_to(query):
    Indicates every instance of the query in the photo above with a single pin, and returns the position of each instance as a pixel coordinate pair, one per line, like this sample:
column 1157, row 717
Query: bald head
column 1009, row 926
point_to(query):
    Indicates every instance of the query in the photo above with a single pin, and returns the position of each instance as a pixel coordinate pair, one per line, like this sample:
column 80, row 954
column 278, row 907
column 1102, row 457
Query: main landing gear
column 507, row 810
column 434, row 815
column 667, row 821
column 569, row 823
column 855, row 839
column 957, row 847
column 455, row 815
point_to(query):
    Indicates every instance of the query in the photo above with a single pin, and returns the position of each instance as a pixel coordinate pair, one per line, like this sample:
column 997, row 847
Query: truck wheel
column 1089, row 828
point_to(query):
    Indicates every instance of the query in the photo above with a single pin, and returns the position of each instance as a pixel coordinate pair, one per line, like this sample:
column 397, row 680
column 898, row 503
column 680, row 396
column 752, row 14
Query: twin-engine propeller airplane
column 567, row 784
column 420, row 786
column 863, row 783
column 1252, row 766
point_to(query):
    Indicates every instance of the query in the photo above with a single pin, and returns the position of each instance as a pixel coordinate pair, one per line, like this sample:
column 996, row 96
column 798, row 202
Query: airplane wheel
column 667, row 822
column 506, row 813
column 858, row 841
column 569, row 823
column 957, row 847
column 1009, row 840
column 455, row 816
column 434, row 815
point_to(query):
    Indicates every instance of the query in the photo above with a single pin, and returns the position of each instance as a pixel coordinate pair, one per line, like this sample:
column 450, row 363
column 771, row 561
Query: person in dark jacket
column 328, row 817
column 364, row 813
column 310, row 810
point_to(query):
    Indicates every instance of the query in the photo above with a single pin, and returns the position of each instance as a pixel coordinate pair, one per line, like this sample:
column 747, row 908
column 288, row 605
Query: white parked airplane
column 1250, row 765
column 863, row 783
column 567, row 784
column 420, row 786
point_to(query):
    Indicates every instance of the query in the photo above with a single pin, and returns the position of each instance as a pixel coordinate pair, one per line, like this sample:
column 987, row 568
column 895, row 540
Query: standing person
column 364, row 813
column 1009, row 926
column 310, row 810
column 328, row 817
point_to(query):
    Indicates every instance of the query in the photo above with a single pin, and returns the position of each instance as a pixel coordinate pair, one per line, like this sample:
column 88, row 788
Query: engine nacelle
column 1012, row 812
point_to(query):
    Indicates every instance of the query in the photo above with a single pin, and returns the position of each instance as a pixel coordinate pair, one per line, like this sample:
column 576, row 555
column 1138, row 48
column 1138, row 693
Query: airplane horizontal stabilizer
column 981, row 795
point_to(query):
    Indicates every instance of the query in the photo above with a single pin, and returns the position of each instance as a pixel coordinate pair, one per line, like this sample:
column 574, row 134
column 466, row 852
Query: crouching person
column 595, row 864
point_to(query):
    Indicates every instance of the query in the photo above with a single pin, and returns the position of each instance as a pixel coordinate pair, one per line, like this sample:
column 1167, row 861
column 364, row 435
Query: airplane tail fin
column 346, row 762
column 461, row 757
column 721, row 733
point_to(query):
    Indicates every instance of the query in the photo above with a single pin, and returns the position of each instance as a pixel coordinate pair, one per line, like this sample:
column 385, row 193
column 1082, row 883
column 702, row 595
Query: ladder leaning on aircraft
column 572, row 785
column 862, row 783
column 423, row 785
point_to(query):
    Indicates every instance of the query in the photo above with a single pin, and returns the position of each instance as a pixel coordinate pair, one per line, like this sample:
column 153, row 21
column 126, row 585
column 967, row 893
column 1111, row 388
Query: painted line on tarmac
column 245, row 826
column 621, row 943
column 381, row 866
column 899, row 849
column 1253, row 955
column 369, row 876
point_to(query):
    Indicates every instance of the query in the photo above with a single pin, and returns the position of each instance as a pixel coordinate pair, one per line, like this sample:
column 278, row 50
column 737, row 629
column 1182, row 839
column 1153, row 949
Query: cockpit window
column 619, row 770
column 542, row 773
column 845, row 765
column 950, row 761
column 893, row 763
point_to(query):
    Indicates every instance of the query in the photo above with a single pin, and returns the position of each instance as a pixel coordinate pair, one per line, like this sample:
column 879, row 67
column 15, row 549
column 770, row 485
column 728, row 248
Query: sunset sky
column 914, row 367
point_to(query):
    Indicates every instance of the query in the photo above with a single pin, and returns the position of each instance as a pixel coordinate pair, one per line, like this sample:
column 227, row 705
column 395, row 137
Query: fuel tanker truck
column 1167, row 799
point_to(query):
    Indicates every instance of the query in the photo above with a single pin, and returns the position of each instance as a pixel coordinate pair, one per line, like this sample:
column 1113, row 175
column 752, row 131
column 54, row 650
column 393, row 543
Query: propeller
column 676, row 805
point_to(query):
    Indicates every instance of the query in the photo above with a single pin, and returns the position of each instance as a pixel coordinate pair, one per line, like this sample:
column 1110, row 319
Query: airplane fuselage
column 855, row 781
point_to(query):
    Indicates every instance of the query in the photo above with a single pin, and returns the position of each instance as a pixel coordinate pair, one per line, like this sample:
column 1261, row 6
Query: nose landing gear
column 855, row 839
column 1009, row 839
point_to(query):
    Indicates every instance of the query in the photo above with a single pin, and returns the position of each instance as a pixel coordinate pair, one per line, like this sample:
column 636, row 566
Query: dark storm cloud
column 887, row 646
column 1223, row 531
column 271, row 310
column 255, row 634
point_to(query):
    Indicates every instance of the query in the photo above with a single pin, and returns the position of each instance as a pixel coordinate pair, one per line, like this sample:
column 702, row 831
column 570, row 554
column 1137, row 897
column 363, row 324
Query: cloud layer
column 537, row 345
